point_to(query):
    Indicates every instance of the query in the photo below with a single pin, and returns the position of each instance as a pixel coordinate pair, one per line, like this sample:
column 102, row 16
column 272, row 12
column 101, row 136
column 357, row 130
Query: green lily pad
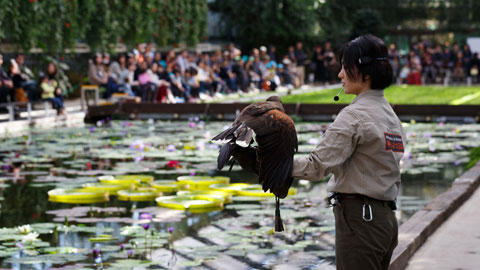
column 48, row 258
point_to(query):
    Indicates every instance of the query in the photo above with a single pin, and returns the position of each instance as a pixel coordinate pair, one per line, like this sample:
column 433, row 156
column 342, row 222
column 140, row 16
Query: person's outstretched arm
column 335, row 147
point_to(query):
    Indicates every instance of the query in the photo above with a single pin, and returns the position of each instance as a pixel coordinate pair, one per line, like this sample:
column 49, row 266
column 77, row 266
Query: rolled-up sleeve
column 335, row 147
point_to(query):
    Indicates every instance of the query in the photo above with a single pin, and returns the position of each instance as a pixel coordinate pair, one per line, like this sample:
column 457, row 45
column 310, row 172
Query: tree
column 55, row 25
column 251, row 23
column 367, row 21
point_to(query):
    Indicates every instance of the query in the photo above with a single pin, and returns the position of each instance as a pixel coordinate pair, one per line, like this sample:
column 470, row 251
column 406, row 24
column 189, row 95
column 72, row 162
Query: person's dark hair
column 95, row 56
column 120, row 55
column 192, row 71
column 369, row 56
column 52, row 75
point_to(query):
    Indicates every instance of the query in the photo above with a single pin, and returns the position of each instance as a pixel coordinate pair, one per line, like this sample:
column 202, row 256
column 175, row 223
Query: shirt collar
column 368, row 93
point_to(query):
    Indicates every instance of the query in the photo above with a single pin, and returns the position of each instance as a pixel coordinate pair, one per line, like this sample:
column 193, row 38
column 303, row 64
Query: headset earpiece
column 364, row 60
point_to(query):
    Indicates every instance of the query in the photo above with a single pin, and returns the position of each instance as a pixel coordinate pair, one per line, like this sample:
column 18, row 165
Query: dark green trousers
column 361, row 244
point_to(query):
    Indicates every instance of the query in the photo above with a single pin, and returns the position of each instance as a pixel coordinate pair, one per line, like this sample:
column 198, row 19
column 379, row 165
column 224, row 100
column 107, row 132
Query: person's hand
column 8, row 83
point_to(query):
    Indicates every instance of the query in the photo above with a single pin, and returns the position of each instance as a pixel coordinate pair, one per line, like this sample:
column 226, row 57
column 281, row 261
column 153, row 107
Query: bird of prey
column 276, row 138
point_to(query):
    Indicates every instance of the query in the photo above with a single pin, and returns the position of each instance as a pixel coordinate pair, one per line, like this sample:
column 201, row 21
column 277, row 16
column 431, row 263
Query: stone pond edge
column 415, row 231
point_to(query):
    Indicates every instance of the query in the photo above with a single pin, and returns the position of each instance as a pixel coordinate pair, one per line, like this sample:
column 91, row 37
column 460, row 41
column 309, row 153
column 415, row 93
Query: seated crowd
column 172, row 77
column 187, row 76
column 431, row 63
column 18, row 84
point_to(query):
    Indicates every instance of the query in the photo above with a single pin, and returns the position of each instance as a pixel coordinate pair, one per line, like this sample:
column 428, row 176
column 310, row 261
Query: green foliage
column 252, row 23
column 55, row 25
column 474, row 157
column 367, row 21
column 398, row 94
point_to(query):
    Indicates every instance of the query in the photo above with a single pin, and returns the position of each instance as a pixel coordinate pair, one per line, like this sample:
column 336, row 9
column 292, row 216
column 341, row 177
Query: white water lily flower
column 131, row 230
column 24, row 229
column 33, row 236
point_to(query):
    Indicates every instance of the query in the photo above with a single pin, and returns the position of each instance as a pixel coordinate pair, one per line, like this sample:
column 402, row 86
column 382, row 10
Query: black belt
column 345, row 196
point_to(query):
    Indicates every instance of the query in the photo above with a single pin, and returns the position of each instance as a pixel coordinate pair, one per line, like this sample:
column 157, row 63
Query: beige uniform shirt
column 362, row 148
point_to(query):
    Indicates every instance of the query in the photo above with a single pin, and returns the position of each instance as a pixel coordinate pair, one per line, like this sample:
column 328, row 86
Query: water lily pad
column 128, row 264
column 102, row 238
column 111, row 189
column 136, row 177
column 189, row 202
column 167, row 185
column 202, row 182
column 48, row 258
column 138, row 195
column 243, row 206
column 225, row 196
column 111, row 180
column 77, row 196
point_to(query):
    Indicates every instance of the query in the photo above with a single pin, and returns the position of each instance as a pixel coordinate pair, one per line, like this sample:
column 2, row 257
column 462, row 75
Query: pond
column 130, row 230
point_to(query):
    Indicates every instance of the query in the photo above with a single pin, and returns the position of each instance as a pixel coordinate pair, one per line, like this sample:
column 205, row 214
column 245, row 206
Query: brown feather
column 277, row 142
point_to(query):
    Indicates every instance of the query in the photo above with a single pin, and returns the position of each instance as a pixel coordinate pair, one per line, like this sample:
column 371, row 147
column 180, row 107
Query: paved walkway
column 455, row 245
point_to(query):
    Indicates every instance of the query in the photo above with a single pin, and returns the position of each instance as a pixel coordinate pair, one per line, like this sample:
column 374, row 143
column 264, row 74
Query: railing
column 26, row 110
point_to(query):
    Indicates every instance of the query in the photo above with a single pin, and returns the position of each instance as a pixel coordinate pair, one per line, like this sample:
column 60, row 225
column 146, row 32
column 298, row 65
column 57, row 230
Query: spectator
column 148, row 90
column 285, row 76
column 203, row 77
column 318, row 64
column 404, row 72
column 240, row 73
column 192, row 84
column 301, row 58
column 117, row 68
column 428, row 69
column 467, row 57
column 23, row 77
column 179, row 90
column 50, row 90
column 228, row 76
column 414, row 77
column 271, row 53
column 182, row 61
column 98, row 74
column 395, row 63
column 458, row 74
column 96, row 71
column 138, row 51
column 263, row 52
column 329, row 58
column 158, row 59
column 149, row 51
column 164, row 95
column 218, row 85
column 126, row 82
column 6, row 85
column 474, row 66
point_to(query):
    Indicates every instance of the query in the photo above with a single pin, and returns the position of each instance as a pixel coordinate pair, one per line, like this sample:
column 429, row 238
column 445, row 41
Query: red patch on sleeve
column 393, row 142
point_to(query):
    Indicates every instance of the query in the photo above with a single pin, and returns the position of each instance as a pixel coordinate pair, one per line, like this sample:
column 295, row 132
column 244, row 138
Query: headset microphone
column 336, row 98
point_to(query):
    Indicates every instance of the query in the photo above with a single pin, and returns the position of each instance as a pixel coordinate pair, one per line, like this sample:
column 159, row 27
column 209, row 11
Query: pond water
column 240, row 236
